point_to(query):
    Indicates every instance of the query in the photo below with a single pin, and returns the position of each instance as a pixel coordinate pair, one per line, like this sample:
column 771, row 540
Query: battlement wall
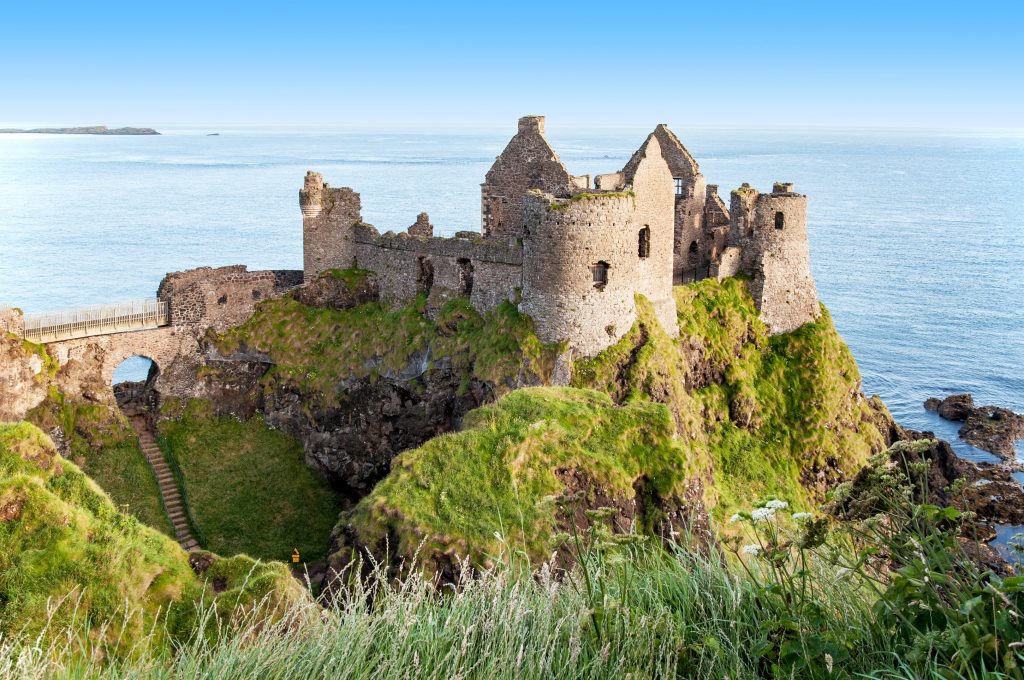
column 485, row 271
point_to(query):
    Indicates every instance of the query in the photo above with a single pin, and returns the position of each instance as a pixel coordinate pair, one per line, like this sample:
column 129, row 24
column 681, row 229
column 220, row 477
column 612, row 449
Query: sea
column 916, row 237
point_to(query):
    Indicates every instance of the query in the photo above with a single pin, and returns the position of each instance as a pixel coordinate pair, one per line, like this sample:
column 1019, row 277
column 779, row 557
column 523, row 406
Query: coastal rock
column 991, row 428
column 953, row 407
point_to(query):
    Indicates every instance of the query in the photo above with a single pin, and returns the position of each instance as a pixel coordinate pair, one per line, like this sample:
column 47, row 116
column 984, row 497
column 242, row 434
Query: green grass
column 63, row 538
column 248, row 487
column 74, row 567
column 503, row 471
column 779, row 416
column 315, row 350
column 107, row 449
column 661, row 615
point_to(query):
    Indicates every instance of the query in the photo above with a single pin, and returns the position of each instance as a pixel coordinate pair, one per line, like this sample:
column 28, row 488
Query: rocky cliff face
column 25, row 374
column 752, row 415
column 358, row 382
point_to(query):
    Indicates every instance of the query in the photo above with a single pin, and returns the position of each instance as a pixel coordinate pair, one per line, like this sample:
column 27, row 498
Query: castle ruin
column 573, row 253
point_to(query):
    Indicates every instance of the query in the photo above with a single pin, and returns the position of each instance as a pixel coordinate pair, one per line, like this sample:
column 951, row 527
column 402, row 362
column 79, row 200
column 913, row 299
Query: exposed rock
column 352, row 443
column 989, row 490
column 23, row 376
column 953, row 407
column 991, row 428
column 331, row 291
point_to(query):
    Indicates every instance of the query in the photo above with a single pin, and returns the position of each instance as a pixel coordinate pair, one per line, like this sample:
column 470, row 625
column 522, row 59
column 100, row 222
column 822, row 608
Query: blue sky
column 379, row 63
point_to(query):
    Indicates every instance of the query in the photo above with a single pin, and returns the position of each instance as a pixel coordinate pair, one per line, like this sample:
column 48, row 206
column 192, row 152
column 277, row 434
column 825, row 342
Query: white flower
column 760, row 514
column 828, row 662
column 800, row 516
column 776, row 504
column 735, row 518
column 752, row 549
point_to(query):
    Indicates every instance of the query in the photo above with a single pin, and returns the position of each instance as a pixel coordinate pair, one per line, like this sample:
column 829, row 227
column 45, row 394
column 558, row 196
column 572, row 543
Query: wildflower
column 735, row 518
column 800, row 516
column 760, row 514
column 776, row 504
column 828, row 662
column 752, row 549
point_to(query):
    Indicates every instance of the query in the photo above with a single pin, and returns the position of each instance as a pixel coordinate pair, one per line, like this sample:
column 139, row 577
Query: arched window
column 780, row 220
column 599, row 270
column 645, row 242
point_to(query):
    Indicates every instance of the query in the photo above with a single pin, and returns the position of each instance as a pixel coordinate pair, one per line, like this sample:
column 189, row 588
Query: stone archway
column 134, row 384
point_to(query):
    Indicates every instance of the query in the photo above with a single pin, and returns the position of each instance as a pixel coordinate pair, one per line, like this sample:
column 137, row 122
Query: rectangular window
column 679, row 186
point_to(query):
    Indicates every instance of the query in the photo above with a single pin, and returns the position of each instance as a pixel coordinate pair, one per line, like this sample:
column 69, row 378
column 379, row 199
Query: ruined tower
column 772, row 231
column 328, row 216
column 586, row 256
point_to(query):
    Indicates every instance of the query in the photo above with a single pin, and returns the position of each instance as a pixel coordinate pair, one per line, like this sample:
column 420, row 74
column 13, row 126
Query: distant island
column 91, row 130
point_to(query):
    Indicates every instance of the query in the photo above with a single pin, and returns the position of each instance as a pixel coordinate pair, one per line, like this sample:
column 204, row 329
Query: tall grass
column 646, row 614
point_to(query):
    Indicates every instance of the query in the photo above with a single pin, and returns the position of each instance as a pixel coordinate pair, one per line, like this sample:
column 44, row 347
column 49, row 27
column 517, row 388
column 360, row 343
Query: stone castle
column 574, row 251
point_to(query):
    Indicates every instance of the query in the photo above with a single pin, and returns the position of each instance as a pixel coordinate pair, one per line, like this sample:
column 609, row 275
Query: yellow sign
column 295, row 556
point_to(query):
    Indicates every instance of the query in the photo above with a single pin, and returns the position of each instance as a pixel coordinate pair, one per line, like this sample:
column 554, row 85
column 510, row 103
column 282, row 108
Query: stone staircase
column 173, row 501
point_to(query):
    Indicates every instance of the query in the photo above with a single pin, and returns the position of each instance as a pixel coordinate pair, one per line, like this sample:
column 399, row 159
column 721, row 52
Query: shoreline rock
column 991, row 428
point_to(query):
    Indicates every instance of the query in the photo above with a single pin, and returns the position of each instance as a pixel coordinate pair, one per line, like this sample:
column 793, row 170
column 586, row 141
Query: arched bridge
column 71, row 324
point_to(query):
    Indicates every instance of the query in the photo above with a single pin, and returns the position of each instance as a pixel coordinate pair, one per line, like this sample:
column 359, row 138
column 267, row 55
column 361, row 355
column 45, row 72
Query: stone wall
column 221, row 297
column 528, row 162
column 691, row 247
column 653, row 209
column 328, row 216
column 12, row 321
column 485, row 271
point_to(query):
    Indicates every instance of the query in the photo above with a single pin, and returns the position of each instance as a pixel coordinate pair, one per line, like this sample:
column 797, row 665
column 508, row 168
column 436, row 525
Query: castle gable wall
column 528, row 162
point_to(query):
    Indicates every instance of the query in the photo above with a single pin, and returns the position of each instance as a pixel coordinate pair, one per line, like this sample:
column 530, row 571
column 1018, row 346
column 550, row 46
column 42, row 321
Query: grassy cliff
column 723, row 411
column 71, row 561
column 780, row 416
column 316, row 350
column 505, row 479
column 102, row 443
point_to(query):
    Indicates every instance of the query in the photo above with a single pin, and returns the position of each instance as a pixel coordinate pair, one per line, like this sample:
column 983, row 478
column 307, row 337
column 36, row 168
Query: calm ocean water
column 917, row 239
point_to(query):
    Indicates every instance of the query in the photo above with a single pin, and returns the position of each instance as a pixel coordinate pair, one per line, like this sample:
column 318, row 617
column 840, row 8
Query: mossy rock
column 502, row 484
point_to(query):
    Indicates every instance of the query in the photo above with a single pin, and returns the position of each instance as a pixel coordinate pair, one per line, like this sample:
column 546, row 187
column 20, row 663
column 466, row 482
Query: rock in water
column 990, row 428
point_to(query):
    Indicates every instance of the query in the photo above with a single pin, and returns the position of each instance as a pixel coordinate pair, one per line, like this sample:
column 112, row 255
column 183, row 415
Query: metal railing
column 98, row 320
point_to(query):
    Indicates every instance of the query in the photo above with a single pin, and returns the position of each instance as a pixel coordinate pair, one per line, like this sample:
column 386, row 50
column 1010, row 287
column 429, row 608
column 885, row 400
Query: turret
column 328, row 217
column 781, row 283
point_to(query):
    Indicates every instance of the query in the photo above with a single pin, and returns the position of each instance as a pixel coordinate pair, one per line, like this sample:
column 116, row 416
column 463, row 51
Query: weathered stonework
column 528, row 162
column 11, row 320
column 221, row 297
column 775, row 228
column 572, row 256
column 422, row 226
column 328, row 216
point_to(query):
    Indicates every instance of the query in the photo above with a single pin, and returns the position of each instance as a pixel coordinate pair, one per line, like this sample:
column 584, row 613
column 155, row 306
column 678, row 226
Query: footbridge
column 71, row 324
